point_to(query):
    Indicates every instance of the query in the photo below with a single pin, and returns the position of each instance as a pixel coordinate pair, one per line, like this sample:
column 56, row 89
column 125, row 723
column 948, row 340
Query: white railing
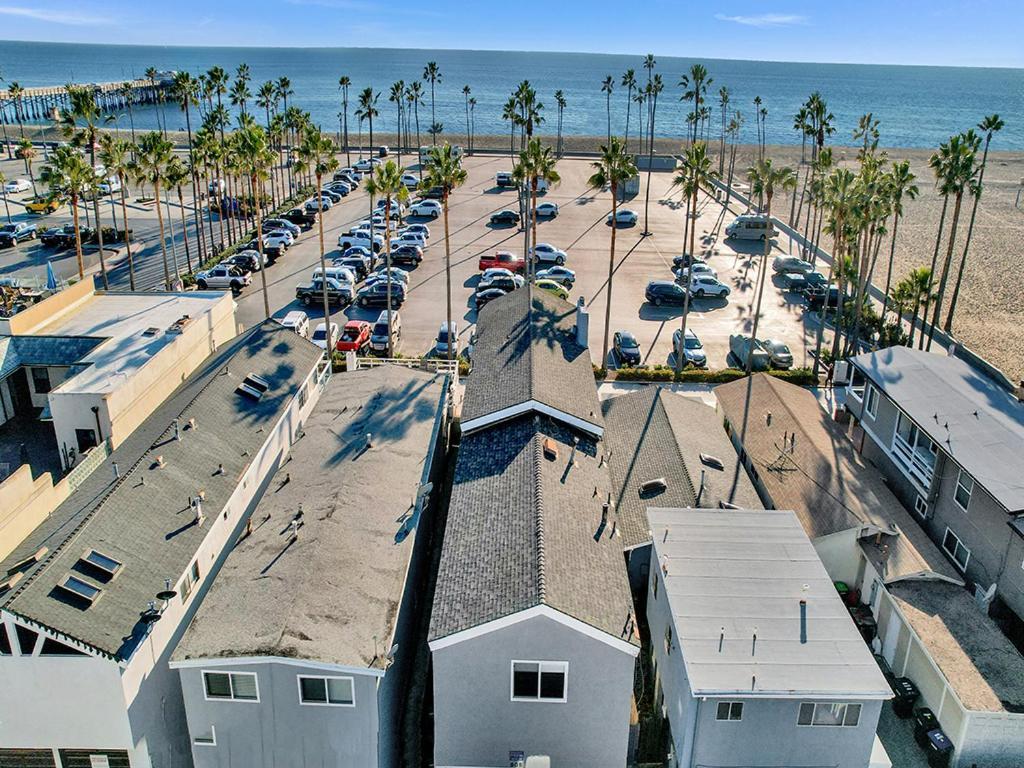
column 438, row 364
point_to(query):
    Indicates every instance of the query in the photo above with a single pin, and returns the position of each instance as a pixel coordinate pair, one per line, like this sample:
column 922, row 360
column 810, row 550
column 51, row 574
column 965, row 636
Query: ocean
column 917, row 106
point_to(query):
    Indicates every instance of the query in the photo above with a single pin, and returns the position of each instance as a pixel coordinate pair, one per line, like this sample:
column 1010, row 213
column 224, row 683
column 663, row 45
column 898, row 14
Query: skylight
column 257, row 382
column 80, row 589
column 98, row 560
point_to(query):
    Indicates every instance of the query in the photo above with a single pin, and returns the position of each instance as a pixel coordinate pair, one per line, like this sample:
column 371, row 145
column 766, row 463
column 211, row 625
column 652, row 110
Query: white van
column 297, row 321
column 379, row 332
column 504, row 179
column 342, row 275
column 750, row 227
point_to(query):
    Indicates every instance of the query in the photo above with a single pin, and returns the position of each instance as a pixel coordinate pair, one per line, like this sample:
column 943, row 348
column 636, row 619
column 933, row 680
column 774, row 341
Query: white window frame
column 542, row 666
column 905, row 454
column 730, row 718
column 814, row 714
column 325, row 678
column 959, row 543
column 202, row 742
column 959, row 484
column 852, row 388
column 871, row 398
column 921, row 506
column 231, row 684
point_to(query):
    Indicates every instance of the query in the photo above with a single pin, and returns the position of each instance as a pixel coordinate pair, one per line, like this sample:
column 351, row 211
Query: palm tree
column 561, row 103
column 653, row 89
column 397, row 97
column 344, row 83
column 988, row 126
column 900, row 185
column 695, row 88
column 148, row 168
column 538, row 164
column 115, row 156
column 240, row 94
column 921, row 282
column 765, row 179
column 472, row 124
column 606, row 88
column 613, row 169
column 416, row 92
column 386, row 181
column 176, row 174
column 151, row 73
column 69, row 174
column 466, row 91
column 509, row 112
column 316, row 156
column 368, row 108
column 185, row 90
column 444, row 170
column 432, row 73
column 254, row 159
column 629, row 83
column 284, row 90
column 723, row 106
column 838, row 195
column 26, row 151
column 15, row 93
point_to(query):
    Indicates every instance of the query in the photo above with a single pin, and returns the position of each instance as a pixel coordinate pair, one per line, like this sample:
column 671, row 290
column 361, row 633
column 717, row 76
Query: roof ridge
column 675, row 444
column 538, row 504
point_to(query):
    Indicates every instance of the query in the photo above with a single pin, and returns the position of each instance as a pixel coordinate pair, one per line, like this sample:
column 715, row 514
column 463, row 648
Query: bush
column 665, row 373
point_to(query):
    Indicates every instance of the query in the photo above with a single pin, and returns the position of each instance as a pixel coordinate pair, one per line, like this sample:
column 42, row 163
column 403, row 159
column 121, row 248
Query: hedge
column 800, row 376
column 338, row 363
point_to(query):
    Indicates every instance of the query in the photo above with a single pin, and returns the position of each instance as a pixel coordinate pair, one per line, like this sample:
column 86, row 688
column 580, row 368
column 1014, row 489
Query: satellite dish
column 150, row 616
column 166, row 594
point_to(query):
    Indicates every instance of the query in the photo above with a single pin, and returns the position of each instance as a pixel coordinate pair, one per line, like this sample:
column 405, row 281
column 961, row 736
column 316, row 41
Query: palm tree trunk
column 263, row 271
column 948, row 325
column 935, row 258
column 127, row 238
column 323, row 272
column 888, row 276
column 681, row 352
column 448, row 277
column 913, row 319
column 184, row 230
column 170, row 227
column 945, row 268
column 78, row 238
column 763, row 278
column 387, row 266
column 163, row 242
column 611, row 277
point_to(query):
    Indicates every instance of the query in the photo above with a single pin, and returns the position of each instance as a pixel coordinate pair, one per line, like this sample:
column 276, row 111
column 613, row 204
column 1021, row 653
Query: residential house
column 94, row 599
column 756, row 660
column 532, row 636
column 302, row 650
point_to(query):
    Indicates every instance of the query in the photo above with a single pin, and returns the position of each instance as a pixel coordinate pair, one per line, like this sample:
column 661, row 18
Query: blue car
column 12, row 234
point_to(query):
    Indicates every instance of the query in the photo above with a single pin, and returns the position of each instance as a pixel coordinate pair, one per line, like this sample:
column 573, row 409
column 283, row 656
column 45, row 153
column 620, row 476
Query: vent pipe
column 197, row 505
column 117, row 471
column 177, row 432
column 803, row 622
column 604, row 513
column 700, row 493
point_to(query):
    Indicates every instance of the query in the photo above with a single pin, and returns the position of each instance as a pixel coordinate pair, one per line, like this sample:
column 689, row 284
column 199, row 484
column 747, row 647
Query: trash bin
column 940, row 749
column 924, row 721
column 906, row 694
column 844, row 591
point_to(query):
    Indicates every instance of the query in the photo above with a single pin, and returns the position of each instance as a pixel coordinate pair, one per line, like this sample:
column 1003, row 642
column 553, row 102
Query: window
column 303, row 395
column 857, row 383
column 239, row 686
column 654, row 586
column 99, row 761
column 871, row 401
column 195, row 572
column 668, row 639
column 729, row 710
column 964, row 487
column 913, row 451
column 956, row 549
column 832, row 714
column 185, row 587
column 539, row 680
column 206, row 739
column 41, row 380
column 921, row 506
column 332, row 691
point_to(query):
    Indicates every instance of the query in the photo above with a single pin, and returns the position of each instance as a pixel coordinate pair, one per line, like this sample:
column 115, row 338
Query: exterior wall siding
column 476, row 723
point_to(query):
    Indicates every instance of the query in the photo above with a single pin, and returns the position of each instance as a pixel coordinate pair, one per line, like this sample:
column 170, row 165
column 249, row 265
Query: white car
column 791, row 264
column 549, row 210
column 489, row 274
column 428, row 208
column 545, row 252
column 225, row 277
column 706, row 285
column 623, row 216
column 322, row 203
column 110, row 185
column 698, row 268
column 562, row 275
column 422, row 229
column 319, row 336
column 398, row 275
column 410, row 181
column 17, row 185
column 409, row 238
column 361, row 239
column 279, row 238
column 365, row 166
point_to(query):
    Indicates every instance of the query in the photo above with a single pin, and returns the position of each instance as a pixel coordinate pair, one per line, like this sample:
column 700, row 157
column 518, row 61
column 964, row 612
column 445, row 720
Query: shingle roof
column 653, row 433
column 822, row 478
column 979, row 424
column 16, row 351
column 332, row 594
column 525, row 351
column 525, row 528
column 734, row 580
column 142, row 519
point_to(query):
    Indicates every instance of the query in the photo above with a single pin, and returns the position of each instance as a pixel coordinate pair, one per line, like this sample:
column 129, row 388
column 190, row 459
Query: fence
column 86, row 466
column 437, row 364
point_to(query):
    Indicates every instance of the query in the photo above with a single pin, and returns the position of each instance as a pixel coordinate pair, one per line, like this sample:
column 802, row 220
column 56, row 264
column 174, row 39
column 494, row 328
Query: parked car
column 820, row 297
column 743, row 346
column 16, row 232
column 365, row 165
column 481, row 298
column 320, row 334
column 750, row 227
column 410, row 180
column 342, row 274
column 421, row 229
column 300, row 217
column 693, row 350
column 347, row 174
column 297, row 321
column 312, row 293
column 383, row 151
column 382, row 330
column 562, row 275
column 380, row 275
column 504, row 179
column 43, row 205
column 340, row 187
column 447, row 340
column 794, row 282
column 16, row 186
column 507, row 283
column 330, row 194
column 247, row 260
column 109, row 185
column 407, row 254
column 684, row 260
column 547, row 210
column 429, row 208
column 505, row 259
column 362, row 239
column 314, row 205
column 376, row 294
column 409, row 238
column 357, row 265
column 626, row 349
column 545, row 253
column 434, row 193
column 660, row 292
column 270, row 225
column 58, row 237
column 706, row 285
column 697, row 268
column 778, row 353
column 505, row 217
column 272, row 249
column 623, row 217
column 224, row 277
column 355, row 337
column 814, row 280
column 791, row 264
column 551, row 286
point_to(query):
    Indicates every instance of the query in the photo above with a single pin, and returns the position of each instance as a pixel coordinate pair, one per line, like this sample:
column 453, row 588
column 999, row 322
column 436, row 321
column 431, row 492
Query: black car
column 407, row 254
column 299, row 217
column 376, row 295
column 247, row 260
column 683, row 260
column 816, row 298
column 505, row 217
column 64, row 237
column 357, row 264
column 272, row 252
column 488, row 295
column 665, row 292
column 434, row 193
column 814, row 280
column 627, row 350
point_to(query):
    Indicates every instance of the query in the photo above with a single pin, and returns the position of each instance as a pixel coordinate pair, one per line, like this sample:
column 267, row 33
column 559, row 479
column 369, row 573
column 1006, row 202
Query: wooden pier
column 43, row 104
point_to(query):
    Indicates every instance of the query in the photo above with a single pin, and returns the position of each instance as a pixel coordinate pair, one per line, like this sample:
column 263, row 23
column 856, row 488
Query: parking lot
column 581, row 231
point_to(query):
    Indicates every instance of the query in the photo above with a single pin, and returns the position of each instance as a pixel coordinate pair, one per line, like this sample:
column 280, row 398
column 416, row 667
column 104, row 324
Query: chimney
column 582, row 323
column 197, row 505
column 604, row 513
column 803, row 622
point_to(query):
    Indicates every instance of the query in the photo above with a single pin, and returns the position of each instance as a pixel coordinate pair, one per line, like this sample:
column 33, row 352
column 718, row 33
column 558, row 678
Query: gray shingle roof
column 333, row 593
column 146, row 525
column 524, row 529
column 16, row 351
column 979, row 424
column 526, row 351
column 653, row 433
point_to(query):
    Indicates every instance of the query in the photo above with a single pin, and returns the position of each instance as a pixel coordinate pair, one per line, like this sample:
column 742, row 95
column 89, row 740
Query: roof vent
column 655, row 486
column 712, row 461
column 8, row 584
column 179, row 325
column 245, row 389
column 550, row 449
column 254, row 386
column 28, row 562
column 160, row 461
column 151, row 331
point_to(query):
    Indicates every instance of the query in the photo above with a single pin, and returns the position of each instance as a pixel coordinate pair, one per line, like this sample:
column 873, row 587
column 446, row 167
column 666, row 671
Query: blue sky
column 964, row 32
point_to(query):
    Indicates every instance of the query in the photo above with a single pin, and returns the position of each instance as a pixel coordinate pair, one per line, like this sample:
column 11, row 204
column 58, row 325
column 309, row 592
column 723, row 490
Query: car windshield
column 781, row 349
column 442, row 336
column 8, row 228
column 380, row 329
column 350, row 334
column 692, row 342
column 319, row 334
column 628, row 341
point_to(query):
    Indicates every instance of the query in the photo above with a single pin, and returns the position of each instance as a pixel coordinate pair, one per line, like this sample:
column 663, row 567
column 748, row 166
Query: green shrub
column 661, row 373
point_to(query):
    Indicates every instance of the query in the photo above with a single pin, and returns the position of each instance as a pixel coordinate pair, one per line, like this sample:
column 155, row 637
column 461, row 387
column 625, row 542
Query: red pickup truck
column 503, row 259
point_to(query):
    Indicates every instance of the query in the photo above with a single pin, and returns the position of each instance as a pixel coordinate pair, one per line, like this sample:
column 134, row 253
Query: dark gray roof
column 979, row 424
column 525, row 529
column 331, row 594
column 147, row 526
column 526, row 351
column 16, row 351
column 653, row 433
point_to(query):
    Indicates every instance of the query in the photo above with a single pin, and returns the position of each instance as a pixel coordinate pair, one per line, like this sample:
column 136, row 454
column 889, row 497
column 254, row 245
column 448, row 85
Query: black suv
column 376, row 295
column 410, row 255
column 816, row 298
column 664, row 292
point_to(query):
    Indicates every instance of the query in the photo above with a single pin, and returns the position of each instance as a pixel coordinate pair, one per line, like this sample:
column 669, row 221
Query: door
column 86, row 440
column 21, row 398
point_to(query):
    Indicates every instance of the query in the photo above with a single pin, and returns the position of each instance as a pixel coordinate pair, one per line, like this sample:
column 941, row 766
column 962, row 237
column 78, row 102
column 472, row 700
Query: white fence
column 439, row 364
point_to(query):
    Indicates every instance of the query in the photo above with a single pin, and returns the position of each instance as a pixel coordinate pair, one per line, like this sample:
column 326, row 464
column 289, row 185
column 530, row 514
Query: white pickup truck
column 224, row 277
column 362, row 240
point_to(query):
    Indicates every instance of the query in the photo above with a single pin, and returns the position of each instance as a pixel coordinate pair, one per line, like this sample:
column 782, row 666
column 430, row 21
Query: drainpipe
column 686, row 759
column 99, row 429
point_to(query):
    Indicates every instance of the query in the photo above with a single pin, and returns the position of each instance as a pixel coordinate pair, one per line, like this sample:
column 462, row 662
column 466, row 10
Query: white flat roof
column 736, row 574
column 122, row 318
